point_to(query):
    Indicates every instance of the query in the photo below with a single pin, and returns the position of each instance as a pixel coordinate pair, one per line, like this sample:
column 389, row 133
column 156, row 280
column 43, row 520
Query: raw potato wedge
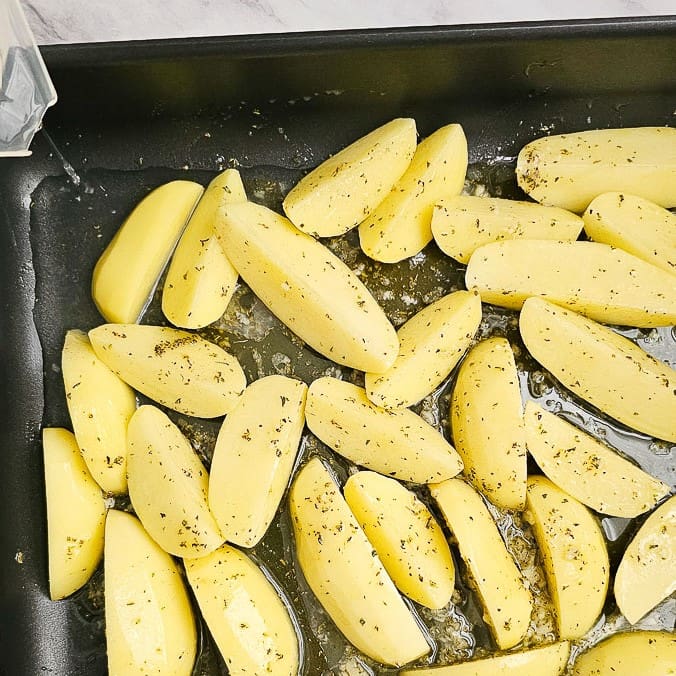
column 175, row 368
column 246, row 616
column 574, row 555
column 430, row 345
column 646, row 574
column 168, row 486
column 507, row 603
column 345, row 573
column 634, row 224
column 128, row 270
column 570, row 170
column 487, row 423
column 630, row 654
column 254, row 456
column 588, row 470
column 599, row 281
column 150, row 627
column 405, row 535
column 396, row 443
column 401, row 225
column 344, row 189
column 308, row 288
column 463, row 223
column 76, row 514
column 602, row 367
column 100, row 405
column 201, row 280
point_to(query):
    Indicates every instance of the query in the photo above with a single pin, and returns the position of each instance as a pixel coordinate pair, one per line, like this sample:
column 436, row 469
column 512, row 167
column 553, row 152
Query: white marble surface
column 55, row 21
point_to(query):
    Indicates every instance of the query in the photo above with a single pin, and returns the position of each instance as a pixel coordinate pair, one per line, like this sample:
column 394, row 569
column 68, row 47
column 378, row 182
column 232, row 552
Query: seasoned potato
column 507, row 602
column 177, row 369
column 246, row 617
column 574, row 555
column 570, row 170
column 396, row 443
column 344, row 189
column 201, row 280
column 401, row 226
column 312, row 291
column 430, row 345
column 76, row 514
column 463, row 223
column 602, row 367
column 487, row 423
column 128, row 270
column 345, row 573
column 588, row 470
column 254, row 456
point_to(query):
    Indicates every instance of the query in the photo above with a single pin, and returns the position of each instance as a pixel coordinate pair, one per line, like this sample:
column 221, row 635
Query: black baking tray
column 268, row 103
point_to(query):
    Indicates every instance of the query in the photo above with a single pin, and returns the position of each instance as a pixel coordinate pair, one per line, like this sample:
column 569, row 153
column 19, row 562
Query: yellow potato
column 463, row 223
column 76, row 514
column 308, row 288
column 574, row 555
column 634, row 224
column 177, row 369
column 603, row 283
column 246, row 617
column 401, row 225
column 570, row 170
column 406, row 536
column 588, row 470
column 150, row 627
column 201, row 280
column 487, row 423
column 430, row 345
column 602, row 367
column 168, row 486
column 345, row 573
column 344, row 189
column 254, row 456
column 396, row 443
column 128, row 270
column 507, row 603
column 646, row 574
column 100, row 405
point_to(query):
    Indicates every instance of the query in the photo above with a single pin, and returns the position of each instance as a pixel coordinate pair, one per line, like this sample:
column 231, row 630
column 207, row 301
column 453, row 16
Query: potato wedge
column 168, row 486
column 603, row 283
column 254, row 456
column 570, row 170
column 588, row 470
column 150, row 628
column 177, row 369
column 201, row 280
column 639, row 226
column 430, row 345
column 344, row 189
column 487, row 423
column 246, row 617
column 574, row 555
column 345, row 573
column 127, row 272
column 602, row 367
column 396, row 443
column 100, row 405
column 463, row 223
column 405, row 535
column 507, row 602
column 401, row 225
column 308, row 288
column 76, row 514
column 646, row 574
